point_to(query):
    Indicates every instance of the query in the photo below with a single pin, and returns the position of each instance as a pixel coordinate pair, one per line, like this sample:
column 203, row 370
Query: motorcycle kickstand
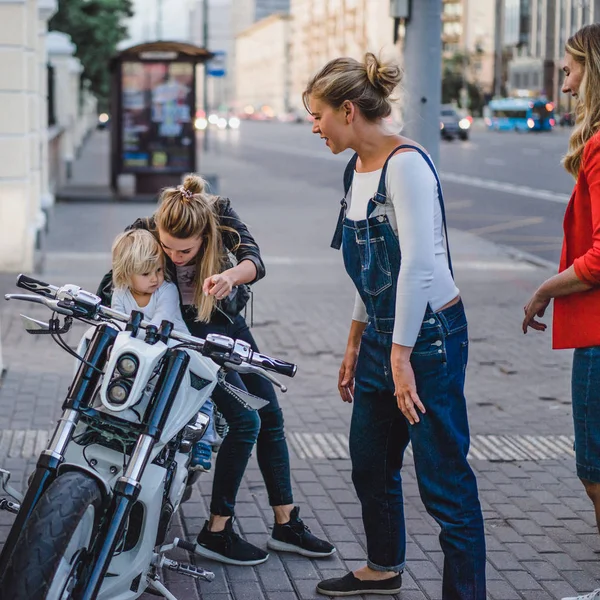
column 157, row 585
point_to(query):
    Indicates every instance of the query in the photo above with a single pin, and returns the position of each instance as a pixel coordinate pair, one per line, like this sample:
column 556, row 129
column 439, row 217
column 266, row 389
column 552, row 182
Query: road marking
column 531, row 151
column 486, row 184
column 507, row 188
column 507, row 225
column 495, row 162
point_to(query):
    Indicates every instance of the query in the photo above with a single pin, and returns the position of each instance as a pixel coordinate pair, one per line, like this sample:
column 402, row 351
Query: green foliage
column 455, row 71
column 96, row 27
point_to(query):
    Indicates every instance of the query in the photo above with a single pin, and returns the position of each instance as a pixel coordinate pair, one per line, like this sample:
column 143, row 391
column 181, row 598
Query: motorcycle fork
column 128, row 487
column 80, row 395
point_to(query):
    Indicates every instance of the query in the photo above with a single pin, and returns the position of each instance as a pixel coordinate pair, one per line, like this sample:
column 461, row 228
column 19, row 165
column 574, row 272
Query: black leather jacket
column 243, row 248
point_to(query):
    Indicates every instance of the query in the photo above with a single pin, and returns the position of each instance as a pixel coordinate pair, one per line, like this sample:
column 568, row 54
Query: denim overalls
column 380, row 433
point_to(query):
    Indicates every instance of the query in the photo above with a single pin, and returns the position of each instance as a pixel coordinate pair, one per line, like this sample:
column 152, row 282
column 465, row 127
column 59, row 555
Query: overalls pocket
column 376, row 273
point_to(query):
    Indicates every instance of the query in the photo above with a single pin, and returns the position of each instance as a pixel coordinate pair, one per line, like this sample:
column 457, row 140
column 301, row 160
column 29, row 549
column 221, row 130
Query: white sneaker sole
column 206, row 553
column 273, row 544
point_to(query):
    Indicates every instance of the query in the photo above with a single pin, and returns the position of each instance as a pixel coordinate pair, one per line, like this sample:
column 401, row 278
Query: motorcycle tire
column 44, row 564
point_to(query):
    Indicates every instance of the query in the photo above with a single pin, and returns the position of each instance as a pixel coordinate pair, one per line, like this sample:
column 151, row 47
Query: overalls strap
column 440, row 194
column 336, row 242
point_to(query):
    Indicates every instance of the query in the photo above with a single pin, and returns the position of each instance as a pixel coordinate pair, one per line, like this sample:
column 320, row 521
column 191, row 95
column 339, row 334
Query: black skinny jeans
column 246, row 428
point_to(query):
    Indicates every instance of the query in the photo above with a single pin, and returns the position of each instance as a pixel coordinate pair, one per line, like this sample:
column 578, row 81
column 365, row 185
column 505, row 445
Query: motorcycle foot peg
column 9, row 505
column 189, row 570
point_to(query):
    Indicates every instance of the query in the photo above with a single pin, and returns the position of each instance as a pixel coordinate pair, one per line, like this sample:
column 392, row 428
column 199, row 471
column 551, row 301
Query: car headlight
column 127, row 365
column 464, row 123
column 118, row 391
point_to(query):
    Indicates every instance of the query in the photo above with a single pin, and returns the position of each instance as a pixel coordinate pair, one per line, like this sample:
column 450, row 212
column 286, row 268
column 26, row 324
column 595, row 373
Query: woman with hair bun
column 199, row 234
column 406, row 356
column 576, row 288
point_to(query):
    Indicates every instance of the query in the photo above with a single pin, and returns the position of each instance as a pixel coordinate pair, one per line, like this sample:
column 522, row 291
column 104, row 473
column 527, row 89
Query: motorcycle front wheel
column 47, row 557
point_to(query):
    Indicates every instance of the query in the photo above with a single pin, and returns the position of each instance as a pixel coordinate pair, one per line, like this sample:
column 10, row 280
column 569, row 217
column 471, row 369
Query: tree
column 96, row 27
column 455, row 73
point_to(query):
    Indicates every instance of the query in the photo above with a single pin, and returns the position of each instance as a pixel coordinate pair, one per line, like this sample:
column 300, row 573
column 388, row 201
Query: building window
column 453, row 9
column 453, row 28
column 539, row 28
column 574, row 23
column 51, row 99
column 517, row 80
column 562, row 26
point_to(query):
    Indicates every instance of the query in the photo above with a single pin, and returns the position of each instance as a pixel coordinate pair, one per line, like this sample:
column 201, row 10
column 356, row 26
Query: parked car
column 452, row 125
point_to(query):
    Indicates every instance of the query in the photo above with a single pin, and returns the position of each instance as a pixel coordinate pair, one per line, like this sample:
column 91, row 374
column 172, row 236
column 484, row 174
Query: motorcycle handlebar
column 49, row 293
column 35, row 285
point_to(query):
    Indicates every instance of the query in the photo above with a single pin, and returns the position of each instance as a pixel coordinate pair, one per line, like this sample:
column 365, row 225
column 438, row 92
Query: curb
column 522, row 256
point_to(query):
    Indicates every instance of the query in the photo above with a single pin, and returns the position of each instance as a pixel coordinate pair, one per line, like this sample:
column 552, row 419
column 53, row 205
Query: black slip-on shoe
column 295, row 536
column 349, row 585
column 228, row 547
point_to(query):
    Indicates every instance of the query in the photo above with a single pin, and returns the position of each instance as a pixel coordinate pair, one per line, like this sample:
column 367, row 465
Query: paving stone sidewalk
column 541, row 533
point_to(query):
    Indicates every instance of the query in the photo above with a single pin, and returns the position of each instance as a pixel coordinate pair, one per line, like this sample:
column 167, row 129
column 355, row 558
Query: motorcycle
column 94, row 520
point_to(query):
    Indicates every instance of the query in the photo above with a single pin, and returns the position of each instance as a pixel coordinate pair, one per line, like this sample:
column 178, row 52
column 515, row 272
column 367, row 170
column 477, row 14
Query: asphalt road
column 506, row 187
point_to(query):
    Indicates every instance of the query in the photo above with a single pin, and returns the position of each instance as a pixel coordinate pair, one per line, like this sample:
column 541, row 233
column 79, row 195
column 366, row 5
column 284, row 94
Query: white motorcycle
column 94, row 519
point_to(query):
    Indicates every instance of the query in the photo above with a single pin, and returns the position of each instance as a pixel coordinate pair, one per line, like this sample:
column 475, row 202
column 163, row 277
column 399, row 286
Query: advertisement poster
column 158, row 129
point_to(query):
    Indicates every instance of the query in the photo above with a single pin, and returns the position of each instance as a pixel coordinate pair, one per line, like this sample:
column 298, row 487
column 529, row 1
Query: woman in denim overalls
column 410, row 390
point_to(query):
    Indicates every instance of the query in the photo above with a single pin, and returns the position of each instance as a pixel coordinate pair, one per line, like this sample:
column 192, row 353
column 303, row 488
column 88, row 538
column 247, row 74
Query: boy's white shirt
column 163, row 305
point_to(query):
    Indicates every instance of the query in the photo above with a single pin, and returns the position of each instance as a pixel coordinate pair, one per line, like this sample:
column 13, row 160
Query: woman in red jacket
column 576, row 288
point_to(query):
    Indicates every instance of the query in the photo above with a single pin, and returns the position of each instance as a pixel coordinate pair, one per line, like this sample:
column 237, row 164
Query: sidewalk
column 541, row 534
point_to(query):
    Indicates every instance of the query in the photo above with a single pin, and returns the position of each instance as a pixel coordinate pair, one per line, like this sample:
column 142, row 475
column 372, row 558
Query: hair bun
column 382, row 76
column 194, row 184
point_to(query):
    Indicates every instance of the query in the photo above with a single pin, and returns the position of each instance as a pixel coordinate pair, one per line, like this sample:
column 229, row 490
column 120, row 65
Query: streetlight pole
column 159, row 7
column 205, row 75
column 423, row 72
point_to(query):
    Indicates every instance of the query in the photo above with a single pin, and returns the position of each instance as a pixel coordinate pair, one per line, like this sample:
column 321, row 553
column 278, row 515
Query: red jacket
column 576, row 322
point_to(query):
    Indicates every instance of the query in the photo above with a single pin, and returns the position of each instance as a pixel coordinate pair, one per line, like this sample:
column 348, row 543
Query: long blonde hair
column 368, row 84
column 584, row 47
column 189, row 211
column 134, row 252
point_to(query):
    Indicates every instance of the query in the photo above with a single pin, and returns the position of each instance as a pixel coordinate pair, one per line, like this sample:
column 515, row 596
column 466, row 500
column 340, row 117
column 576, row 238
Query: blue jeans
column 247, row 428
column 585, row 391
column 380, row 433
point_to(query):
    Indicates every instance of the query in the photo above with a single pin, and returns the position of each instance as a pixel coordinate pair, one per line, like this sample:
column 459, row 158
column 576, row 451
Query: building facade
column 469, row 28
column 544, row 27
column 263, row 77
column 325, row 29
column 44, row 119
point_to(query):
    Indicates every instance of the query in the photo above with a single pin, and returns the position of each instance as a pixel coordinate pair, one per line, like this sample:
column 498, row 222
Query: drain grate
column 496, row 448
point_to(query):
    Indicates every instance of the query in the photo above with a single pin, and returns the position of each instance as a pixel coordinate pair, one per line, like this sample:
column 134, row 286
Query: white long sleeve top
column 163, row 305
column 415, row 215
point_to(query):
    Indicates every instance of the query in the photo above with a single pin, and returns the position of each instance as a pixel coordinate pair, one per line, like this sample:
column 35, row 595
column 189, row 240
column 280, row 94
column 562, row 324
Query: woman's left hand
column 405, row 385
column 219, row 286
column 536, row 307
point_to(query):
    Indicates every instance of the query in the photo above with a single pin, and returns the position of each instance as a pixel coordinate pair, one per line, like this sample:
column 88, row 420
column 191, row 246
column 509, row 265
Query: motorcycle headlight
column 127, row 365
column 118, row 391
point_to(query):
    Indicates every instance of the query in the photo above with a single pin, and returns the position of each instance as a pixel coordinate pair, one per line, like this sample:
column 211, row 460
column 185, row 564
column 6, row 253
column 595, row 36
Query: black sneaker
column 349, row 585
column 295, row 536
column 228, row 547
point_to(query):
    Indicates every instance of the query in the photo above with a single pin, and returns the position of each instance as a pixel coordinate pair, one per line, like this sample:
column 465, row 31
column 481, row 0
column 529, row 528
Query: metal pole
column 423, row 71
column 498, row 50
column 159, row 7
column 205, row 75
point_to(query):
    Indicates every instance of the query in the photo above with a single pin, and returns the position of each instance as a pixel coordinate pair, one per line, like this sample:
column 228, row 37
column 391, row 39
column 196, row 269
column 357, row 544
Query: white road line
column 507, row 225
column 507, row 188
column 486, row 184
column 495, row 162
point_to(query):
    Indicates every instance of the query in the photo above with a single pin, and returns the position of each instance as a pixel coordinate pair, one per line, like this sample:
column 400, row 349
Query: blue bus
column 521, row 114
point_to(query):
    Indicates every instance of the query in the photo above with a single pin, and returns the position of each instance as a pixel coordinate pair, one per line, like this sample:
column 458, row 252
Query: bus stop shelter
column 153, row 108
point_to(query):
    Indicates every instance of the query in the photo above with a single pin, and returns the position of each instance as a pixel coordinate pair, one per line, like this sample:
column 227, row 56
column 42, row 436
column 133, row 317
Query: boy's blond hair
column 134, row 252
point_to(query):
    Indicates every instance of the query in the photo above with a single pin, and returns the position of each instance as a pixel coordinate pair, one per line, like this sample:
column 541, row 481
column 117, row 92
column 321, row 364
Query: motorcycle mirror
column 33, row 325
